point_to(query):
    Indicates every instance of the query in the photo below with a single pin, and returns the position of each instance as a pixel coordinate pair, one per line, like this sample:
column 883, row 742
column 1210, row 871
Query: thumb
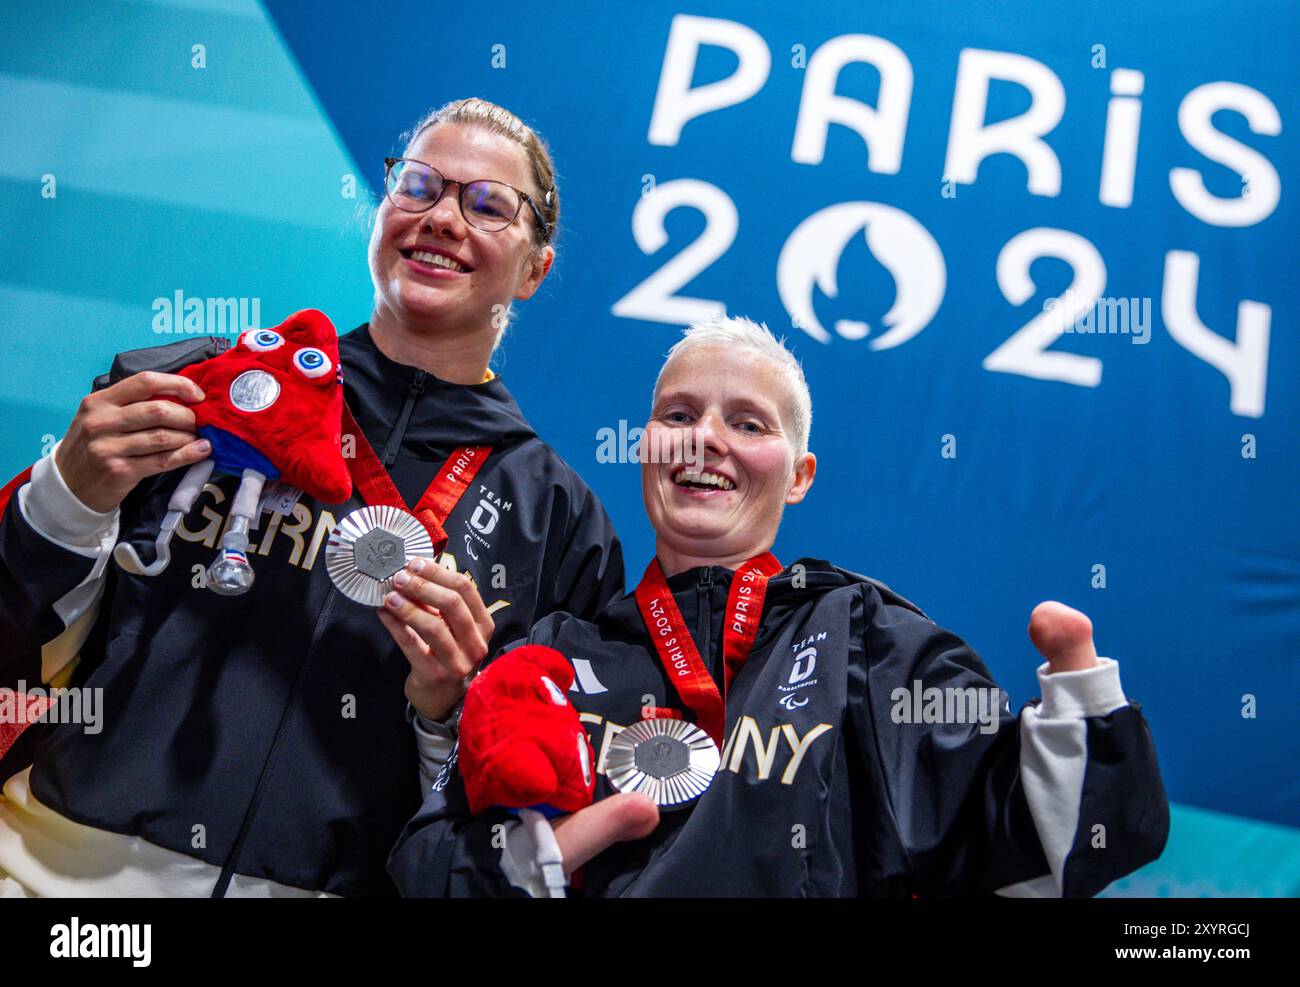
column 585, row 833
column 1063, row 636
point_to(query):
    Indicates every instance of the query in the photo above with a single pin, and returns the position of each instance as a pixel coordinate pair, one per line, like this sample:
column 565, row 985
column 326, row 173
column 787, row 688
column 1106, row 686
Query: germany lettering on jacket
column 265, row 734
column 823, row 790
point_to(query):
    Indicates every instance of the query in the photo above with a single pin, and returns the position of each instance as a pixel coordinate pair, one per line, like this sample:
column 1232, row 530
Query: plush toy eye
column 312, row 362
column 263, row 340
column 556, row 695
column 584, row 756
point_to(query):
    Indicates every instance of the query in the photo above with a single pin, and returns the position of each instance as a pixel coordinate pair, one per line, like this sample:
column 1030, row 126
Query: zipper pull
column 395, row 437
column 704, row 615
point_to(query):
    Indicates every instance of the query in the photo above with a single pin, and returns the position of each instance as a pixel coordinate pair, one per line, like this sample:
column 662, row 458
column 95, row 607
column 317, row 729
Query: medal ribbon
column 677, row 650
column 377, row 489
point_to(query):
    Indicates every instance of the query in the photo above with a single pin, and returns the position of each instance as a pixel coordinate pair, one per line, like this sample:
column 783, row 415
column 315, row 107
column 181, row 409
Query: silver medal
column 670, row 760
column 371, row 545
column 254, row 390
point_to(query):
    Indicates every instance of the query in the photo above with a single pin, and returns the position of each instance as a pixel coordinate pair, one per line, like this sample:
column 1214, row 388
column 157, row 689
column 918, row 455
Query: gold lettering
column 730, row 739
column 302, row 521
column 208, row 536
column 324, row 525
column 268, row 536
column 749, row 732
column 798, row 747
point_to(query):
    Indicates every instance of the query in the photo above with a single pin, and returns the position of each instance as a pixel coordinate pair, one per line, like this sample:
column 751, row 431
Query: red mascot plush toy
column 522, row 745
column 273, row 410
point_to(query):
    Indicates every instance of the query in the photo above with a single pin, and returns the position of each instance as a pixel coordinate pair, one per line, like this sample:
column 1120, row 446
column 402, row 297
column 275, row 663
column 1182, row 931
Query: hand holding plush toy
column 522, row 745
column 272, row 409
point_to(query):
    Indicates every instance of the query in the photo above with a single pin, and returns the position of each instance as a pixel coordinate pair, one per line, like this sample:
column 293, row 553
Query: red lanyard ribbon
column 677, row 650
column 376, row 487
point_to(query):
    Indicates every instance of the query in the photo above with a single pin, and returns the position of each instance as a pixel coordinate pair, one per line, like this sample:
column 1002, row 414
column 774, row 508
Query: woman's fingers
column 412, row 645
column 431, row 687
column 445, row 648
column 149, row 384
column 464, row 586
column 428, row 667
column 147, row 442
column 151, row 414
column 585, row 833
column 97, row 460
column 161, row 462
column 455, row 599
column 457, row 582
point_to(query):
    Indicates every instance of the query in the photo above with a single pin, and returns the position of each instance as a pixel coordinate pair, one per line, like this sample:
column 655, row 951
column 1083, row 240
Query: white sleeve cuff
column 530, row 855
column 54, row 512
column 1078, row 695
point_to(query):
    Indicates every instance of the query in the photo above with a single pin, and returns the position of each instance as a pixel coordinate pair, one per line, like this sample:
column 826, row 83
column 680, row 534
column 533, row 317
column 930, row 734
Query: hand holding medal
column 385, row 555
column 439, row 621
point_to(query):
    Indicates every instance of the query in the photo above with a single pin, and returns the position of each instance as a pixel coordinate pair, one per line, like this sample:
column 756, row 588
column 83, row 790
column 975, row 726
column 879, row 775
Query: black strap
column 167, row 358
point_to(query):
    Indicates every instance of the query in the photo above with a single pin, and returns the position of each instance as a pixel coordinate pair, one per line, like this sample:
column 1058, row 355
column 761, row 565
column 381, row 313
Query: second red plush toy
column 522, row 745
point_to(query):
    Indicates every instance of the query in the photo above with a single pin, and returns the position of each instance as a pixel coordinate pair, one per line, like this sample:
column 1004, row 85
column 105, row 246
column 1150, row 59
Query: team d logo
column 805, row 662
column 801, row 672
column 485, row 517
column 488, row 512
column 905, row 248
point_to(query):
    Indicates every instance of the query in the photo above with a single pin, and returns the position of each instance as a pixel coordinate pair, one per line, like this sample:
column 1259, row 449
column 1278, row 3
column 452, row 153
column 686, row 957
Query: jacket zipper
column 704, row 616
column 228, row 869
column 391, row 447
column 398, row 433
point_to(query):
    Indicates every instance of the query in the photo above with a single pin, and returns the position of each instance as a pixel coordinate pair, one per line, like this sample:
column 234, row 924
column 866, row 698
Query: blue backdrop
column 1037, row 259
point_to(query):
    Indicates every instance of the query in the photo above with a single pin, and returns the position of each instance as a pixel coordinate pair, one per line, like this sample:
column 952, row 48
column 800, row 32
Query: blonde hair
column 737, row 332
column 475, row 112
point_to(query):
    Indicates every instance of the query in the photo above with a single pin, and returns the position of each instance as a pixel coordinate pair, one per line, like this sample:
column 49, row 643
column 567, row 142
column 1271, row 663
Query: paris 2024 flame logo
column 905, row 248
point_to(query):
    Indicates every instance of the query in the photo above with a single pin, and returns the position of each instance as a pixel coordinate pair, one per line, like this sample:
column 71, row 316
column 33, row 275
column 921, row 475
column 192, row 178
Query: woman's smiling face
column 726, row 414
column 485, row 269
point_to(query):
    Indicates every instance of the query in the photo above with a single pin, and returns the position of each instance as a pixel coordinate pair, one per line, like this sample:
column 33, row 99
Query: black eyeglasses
column 487, row 205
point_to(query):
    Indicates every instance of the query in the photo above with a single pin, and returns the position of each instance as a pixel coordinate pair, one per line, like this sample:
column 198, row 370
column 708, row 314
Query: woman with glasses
column 271, row 743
